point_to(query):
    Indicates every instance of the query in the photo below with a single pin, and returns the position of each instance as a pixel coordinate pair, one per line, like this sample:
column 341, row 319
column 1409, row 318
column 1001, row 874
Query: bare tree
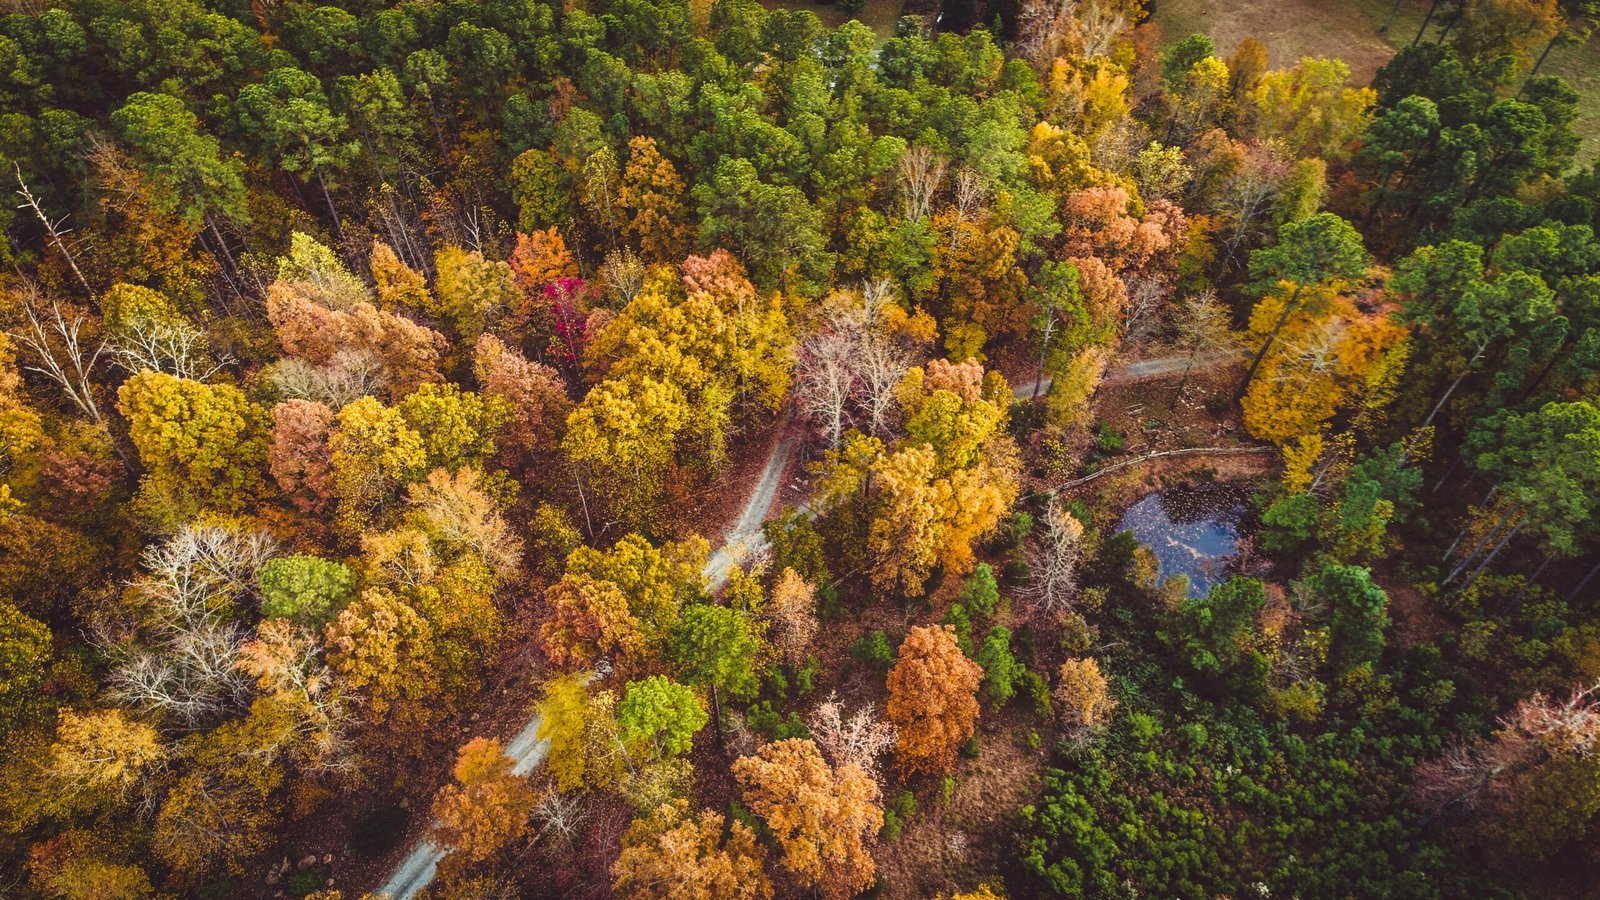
column 55, row 339
column 176, row 348
column 1052, row 559
column 882, row 365
column 827, row 381
column 1537, row 731
column 1147, row 297
column 456, row 510
column 1203, row 324
column 859, row 740
column 179, row 655
column 286, row 661
column 1248, row 194
column 559, row 814
column 1099, row 23
column 52, row 230
column 922, row 173
column 349, row 375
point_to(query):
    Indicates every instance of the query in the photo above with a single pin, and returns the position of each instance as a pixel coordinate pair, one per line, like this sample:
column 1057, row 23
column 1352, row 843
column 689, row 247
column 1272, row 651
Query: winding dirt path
column 417, row 870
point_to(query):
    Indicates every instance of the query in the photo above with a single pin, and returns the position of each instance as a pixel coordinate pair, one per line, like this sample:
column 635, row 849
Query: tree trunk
column 1584, row 583
column 588, row 524
column 1540, row 62
column 1288, row 309
column 1544, row 373
column 1472, row 554
column 1492, row 554
column 716, row 718
column 1432, row 7
column 1393, row 10
column 338, row 230
column 1455, row 384
column 1183, row 383
column 1534, row 578
column 1043, row 352
column 1447, row 473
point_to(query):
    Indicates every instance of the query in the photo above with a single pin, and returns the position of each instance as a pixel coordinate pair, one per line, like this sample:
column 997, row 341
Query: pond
column 1192, row 531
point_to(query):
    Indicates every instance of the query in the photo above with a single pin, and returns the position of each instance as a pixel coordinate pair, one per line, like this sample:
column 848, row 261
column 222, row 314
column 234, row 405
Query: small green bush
column 1000, row 667
column 874, row 650
column 774, row 725
column 981, row 594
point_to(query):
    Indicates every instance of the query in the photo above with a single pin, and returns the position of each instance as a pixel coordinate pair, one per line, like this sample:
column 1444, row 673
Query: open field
column 1365, row 34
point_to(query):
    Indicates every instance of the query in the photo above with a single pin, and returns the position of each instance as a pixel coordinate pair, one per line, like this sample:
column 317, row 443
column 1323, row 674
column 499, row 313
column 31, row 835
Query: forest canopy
column 678, row 449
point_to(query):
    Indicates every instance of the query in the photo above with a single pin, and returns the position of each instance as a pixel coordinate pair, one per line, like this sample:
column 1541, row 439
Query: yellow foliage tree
column 820, row 816
column 652, row 194
column 670, row 855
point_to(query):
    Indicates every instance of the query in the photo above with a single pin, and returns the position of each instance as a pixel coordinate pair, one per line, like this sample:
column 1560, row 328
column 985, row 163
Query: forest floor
column 1365, row 34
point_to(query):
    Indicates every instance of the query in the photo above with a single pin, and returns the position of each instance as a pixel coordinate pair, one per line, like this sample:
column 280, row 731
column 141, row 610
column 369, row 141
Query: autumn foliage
column 933, row 702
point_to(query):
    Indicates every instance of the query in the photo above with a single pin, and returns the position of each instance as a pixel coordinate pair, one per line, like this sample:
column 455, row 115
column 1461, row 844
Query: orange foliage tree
column 488, row 807
column 933, row 699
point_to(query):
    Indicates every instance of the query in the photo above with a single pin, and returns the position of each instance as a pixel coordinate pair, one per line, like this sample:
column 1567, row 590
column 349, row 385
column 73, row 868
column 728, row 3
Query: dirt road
column 1144, row 368
column 419, row 867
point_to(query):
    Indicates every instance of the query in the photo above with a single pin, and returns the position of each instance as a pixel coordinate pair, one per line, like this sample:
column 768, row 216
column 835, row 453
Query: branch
column 1221, row 451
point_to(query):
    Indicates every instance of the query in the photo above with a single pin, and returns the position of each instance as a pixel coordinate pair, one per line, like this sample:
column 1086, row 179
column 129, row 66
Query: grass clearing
column 879, row 15
column 1365, row 34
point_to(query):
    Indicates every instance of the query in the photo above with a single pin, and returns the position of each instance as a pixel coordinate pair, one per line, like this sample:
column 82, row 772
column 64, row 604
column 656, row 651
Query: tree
column 772, row 225
column 624, row 433
column 175, row 653
column 1529, row 784
column 471, row 291
column 1308, row 253
column 1215, row 634
column 855, row 741
column 1000, row 667
column 99, row 757
column 24, row 653
column 658, row 718
column 821, row 816
column 1357, row 613
column 201, row 444
column 933, row 702
column 1052, row 559
column 581, row 726
column 720, row 647
column 198, row 181
column 488, row 806
column 299, row 459
column 792, row 613
column 75, row 864
column 1546, row 460
column 668, row 855
column 1202, row 326
column 1084, row 693
column 1309, row 108
column 383, row 653
column 305, row 588
column 651, row 191
column 288, row 115
column 589, row 621
column 372, row 452
column 656, row 582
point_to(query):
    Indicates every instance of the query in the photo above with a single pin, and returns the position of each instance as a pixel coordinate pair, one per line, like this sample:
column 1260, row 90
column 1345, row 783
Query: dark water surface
column 1192, row 531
